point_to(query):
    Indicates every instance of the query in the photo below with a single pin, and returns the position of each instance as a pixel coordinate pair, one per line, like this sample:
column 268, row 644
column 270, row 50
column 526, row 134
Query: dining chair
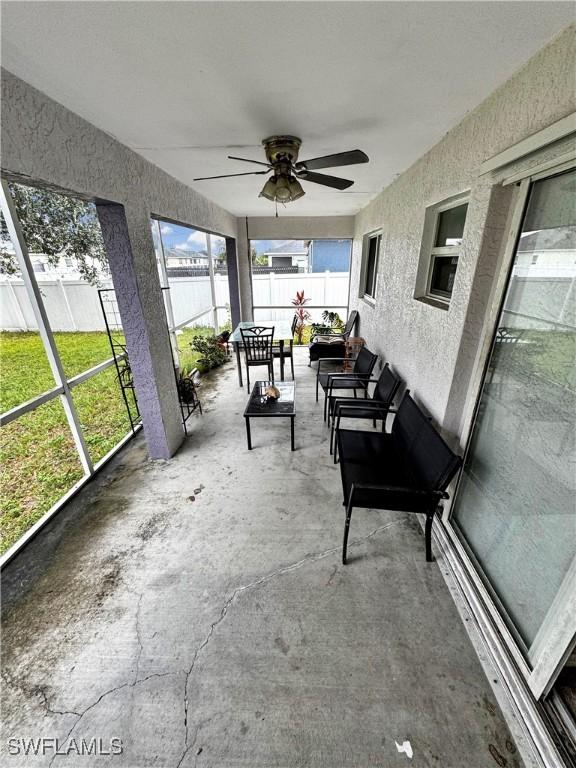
column 287, row 351
column 258, row 345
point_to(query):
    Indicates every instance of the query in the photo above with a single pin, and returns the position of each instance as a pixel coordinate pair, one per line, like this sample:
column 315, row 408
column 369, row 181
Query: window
column 443, row 230
column 370, row 253
column 449, row 229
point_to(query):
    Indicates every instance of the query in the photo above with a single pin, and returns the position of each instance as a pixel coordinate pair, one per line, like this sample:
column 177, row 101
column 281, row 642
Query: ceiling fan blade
column 353, row 157
column 322, row 178
column 247, row 160
column 229, row 175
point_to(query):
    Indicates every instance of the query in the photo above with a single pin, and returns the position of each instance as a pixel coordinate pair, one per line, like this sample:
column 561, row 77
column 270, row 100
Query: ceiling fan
column 282, row 155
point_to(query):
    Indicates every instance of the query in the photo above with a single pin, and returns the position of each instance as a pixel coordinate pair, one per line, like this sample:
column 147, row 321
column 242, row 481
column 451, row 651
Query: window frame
column 376, row 235
column 430, row 253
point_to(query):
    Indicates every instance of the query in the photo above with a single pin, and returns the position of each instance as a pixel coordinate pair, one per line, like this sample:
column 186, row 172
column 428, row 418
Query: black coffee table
column 261, row 407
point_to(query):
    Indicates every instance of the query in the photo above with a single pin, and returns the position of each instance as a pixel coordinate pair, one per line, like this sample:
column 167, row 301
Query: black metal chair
column 377, row 408
column 287, row 351
column 351, row 381
column 258, row 345
column 331, row 344
column 408, row 469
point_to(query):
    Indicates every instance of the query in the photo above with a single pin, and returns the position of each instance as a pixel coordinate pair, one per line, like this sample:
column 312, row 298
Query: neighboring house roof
column 295, row 248
column 172, row 253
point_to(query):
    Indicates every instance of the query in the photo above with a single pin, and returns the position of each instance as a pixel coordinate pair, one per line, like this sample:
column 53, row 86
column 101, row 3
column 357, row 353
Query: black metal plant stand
column 113, row 323
column 188, row 397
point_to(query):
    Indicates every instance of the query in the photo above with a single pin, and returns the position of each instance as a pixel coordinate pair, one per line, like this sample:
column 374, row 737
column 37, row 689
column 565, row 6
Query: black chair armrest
column 335, row 378
column 327, row 360
column 353, row 403
column 348, row 375
column 398, row 489
column 331, row 360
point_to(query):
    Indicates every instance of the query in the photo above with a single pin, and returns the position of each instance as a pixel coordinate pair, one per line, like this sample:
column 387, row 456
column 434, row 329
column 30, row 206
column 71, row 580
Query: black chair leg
column 248, row 378
column 292, row 365
column 347, row 527
column 325, row 403
column 335, row 428
column 428, row 535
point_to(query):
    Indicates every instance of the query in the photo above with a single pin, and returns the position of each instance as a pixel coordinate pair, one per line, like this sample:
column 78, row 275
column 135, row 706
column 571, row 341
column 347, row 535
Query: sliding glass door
column 515, row 507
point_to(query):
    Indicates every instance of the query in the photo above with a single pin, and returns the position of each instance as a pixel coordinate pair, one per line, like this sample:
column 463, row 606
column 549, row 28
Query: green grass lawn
column 38, row 459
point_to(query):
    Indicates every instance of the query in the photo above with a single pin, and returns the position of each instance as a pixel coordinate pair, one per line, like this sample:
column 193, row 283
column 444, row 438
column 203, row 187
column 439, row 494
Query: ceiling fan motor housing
column 282, row 149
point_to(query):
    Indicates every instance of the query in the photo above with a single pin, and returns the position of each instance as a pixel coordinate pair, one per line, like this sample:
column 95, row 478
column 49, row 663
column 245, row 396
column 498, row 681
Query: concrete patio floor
column 198, row 610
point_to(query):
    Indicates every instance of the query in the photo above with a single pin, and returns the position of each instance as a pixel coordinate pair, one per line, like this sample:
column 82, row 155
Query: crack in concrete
column 138, row 636
column 189, row 747
column 239, row 590
column 49, row 709
column 332, row 576
column 192, row 744
column 107, row 693
column 35, row 690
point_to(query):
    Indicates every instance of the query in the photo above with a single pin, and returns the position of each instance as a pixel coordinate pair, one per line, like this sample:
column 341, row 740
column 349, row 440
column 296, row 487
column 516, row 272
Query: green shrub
column 212, row 353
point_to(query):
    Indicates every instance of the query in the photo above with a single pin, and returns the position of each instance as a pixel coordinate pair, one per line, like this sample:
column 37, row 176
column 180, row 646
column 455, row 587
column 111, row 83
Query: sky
column 186, row 239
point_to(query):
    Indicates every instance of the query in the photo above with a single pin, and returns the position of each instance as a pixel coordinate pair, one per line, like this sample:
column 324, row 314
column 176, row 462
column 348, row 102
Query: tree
column 259, row 260
column 57, row 226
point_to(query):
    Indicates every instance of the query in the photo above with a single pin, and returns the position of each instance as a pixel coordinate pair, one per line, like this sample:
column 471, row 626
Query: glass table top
column 259, row 405
column 282, row 329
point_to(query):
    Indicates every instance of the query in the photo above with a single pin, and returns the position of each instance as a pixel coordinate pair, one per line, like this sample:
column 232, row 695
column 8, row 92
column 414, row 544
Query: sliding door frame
column 557, row 635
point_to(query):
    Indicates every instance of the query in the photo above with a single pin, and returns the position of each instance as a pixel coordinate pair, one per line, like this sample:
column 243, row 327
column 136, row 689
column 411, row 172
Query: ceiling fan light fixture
column 283, row 194
column 283, row 188
column 269, row 189
column 296, row 190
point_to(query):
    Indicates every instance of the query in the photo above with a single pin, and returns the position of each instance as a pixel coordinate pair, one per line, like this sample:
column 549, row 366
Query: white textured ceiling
column 186, row 83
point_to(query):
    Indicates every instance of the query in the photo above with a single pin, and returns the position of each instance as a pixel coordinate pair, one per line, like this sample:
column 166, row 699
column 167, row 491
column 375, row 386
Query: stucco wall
column 45, row 142
column 433, row 349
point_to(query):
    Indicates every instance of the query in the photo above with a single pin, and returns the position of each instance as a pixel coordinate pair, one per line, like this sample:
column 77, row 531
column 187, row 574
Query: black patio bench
column 407, row 469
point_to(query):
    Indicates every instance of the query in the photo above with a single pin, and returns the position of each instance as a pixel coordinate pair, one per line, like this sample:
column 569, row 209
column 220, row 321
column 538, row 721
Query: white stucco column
column 244, row 271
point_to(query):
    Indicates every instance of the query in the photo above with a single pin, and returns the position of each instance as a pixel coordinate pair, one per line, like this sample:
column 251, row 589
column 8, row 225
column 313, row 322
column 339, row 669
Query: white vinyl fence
column 73, row 305
column 326, row 290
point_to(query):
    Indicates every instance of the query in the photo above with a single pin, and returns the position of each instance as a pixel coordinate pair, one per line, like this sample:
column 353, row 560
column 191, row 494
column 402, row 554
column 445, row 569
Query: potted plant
column 212, row 352
column 187, row 381
column 301, row 313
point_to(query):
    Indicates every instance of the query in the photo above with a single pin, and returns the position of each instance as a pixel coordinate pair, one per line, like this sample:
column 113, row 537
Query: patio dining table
column 282, row 333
